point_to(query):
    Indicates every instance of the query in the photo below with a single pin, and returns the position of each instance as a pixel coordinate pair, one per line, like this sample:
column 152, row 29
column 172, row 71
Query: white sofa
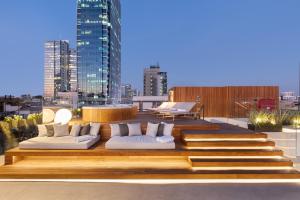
column 66, row 142
column 137, row 142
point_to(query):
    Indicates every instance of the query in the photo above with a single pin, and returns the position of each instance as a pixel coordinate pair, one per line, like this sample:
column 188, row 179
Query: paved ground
column 103, row 191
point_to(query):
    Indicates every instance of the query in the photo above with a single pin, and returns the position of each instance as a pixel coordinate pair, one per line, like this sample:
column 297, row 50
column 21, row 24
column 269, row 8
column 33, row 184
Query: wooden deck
column 203, row 151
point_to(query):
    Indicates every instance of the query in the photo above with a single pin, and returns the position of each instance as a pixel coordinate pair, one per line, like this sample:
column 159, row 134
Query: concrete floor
column 103, row 191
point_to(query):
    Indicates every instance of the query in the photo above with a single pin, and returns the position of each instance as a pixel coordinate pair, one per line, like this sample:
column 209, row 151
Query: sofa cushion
column 137, row 142
column 67, row 142
column 160, row 130
column 152, row 129
column 61, row 130
column 134, row 129
column 50, row 130
column 42, row 131
column 75, row 130
column 94, row 130
column 168, row 128
column 124, row 130
column 85, row 130
column 115, row 130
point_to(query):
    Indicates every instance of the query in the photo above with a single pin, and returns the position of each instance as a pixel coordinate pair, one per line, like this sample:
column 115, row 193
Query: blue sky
column 198, row 42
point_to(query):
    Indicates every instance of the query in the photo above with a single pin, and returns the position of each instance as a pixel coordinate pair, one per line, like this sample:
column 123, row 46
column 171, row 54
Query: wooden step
column 226, row 136
column 236, row 153
column 242, row 163
column 231, row 144
column 80, row 173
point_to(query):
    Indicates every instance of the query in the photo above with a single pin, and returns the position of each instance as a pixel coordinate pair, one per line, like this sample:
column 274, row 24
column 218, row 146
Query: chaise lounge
column 179, row 109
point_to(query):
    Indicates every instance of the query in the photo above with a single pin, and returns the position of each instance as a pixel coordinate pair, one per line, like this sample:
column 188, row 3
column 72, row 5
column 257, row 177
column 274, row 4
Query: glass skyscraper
column 56, row 68
column 99, row 51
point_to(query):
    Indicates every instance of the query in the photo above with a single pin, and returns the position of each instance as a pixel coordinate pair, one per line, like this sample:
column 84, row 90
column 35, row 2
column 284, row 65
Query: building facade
column 73, row 70
column 99, row 51
column 126, row 93
column 155, row 82
column 56, row 68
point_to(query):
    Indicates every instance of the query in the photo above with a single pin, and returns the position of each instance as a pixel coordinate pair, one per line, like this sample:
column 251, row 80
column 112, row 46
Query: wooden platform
column 203, row 151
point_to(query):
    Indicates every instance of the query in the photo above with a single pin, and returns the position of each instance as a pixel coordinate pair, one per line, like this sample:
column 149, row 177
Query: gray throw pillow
column 124, row 130
column 85, row 130
column 160, row 131
column 50, row 130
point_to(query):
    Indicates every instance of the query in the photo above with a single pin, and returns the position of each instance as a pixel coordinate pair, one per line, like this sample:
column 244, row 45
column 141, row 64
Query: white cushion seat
column 137, row 142
column 66, row 142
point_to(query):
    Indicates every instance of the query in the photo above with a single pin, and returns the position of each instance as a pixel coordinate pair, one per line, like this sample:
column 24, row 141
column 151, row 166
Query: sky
column 198, row 42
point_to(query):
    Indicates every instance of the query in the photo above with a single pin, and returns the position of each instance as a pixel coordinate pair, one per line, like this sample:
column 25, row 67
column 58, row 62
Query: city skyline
column 228, row 45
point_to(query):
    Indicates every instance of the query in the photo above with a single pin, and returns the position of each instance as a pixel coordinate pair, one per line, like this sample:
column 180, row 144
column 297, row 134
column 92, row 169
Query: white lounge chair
column 181, row 108
column 165, row 106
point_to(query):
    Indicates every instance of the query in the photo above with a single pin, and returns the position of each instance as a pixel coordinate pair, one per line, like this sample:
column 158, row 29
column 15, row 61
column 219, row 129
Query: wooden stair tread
column 242, row 162
column 226, row 135
column 229, row 143
column 233, row 152
column 239, row 160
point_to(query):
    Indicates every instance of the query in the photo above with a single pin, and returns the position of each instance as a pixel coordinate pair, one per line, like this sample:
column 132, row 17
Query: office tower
column 56, row 65
column 73, row 70
column 99, row 51
column 126, row 93
column 136, row 92
column 126, row 90
column 162, row 84
column 155, row 82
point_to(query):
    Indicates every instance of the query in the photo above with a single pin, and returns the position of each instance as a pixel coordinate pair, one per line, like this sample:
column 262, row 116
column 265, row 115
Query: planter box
column 268, row 128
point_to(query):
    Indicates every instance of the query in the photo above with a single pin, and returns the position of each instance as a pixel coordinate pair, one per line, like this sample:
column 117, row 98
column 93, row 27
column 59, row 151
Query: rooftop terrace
column 203, row 151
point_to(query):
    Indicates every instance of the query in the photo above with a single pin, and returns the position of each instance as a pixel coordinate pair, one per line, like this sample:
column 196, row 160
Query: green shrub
column 10, row 139
column 77, row 112
column 37, row 117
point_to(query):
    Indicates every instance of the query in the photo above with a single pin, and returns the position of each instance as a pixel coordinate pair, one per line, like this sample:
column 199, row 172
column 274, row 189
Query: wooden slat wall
column 220, row 101
column 249, row 94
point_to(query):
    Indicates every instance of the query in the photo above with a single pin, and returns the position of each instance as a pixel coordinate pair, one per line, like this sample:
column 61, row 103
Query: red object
column 266, row 104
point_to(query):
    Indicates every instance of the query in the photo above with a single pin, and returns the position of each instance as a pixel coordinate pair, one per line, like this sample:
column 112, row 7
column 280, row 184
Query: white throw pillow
column 168, row 128
column 61, row 130
column 152, row 129
column 75, row 130
column 134, row 129
column 115, row 130
column 42, row 131
column 94, row 130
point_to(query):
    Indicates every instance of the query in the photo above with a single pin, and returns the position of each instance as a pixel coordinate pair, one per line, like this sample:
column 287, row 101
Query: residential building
column 99, row 51
column 288, row 96
column 155, row 82
column 73, row 70
column 136, row 92
column 56, row 66
column 24, row 105
column 126, row 93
